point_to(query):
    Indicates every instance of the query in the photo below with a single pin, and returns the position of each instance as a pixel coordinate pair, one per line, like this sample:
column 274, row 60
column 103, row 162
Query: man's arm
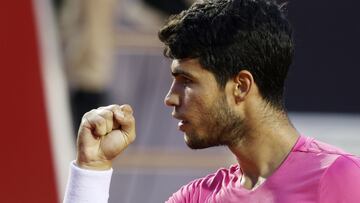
column 103, row 134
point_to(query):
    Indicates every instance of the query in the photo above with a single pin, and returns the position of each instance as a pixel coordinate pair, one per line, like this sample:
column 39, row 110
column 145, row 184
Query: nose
column 172, row 99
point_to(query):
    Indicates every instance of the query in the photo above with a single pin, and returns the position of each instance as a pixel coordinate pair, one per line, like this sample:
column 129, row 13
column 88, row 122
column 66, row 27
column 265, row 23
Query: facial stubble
column 223, row 127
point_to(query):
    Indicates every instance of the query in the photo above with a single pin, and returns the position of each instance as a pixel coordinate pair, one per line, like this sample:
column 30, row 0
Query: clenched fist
column 103, row 134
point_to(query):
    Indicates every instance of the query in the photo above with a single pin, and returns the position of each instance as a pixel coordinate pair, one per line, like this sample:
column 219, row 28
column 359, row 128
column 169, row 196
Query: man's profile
column 230, row 61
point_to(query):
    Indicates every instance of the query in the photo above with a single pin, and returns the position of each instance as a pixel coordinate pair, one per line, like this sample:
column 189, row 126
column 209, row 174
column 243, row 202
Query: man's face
column 201, row 106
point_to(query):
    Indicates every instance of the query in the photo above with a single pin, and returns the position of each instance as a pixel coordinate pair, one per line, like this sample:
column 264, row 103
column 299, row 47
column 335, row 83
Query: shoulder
column 311, row 145
column 345, row 166
column 201, row 189
column 341, row 180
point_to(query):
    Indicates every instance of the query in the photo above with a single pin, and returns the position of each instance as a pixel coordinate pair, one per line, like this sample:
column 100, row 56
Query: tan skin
column 264, row 145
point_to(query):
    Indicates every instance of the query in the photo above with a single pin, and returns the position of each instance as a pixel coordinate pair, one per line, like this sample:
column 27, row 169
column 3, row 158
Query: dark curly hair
column 228, row 36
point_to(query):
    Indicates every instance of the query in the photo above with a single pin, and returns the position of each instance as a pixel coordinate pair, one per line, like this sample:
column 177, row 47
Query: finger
column 108, row 116
column 127, row 121
column 95, row 122
column 123, row 117
column 114, row 108
column 122, row 111
column 126, row 108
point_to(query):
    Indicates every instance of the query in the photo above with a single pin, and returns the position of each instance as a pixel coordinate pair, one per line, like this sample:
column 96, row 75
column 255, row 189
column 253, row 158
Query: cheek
column 193, row 101
column 189, row 99
column 192, row 107
column 197, row 103
column 199, row 113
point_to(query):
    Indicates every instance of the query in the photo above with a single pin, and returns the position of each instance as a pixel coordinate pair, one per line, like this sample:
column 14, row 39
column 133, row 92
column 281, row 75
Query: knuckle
column 113, row 106
column 88, row 117
column 107, row 114
column 89, row 113
column 127, row 108
column 99, row 121
column 102, row 112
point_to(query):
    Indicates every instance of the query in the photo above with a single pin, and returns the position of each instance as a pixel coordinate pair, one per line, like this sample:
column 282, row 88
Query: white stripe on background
column 338, row 129
column 56, row 95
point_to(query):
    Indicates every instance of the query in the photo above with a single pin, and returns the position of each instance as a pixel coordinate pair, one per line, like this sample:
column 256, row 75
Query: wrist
column 94, row 165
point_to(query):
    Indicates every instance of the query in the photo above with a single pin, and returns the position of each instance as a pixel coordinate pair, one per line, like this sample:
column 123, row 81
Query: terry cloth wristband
column 87, row 185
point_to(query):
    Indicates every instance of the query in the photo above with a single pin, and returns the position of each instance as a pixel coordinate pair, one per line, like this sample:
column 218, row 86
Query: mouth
column 182, row 122
column 182, row 125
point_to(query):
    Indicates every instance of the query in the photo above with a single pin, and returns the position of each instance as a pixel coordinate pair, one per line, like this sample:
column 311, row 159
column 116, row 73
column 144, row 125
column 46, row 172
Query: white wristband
column 87, row 185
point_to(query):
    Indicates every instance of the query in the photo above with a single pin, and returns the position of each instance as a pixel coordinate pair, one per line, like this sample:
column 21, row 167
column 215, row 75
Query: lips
column 182, row 125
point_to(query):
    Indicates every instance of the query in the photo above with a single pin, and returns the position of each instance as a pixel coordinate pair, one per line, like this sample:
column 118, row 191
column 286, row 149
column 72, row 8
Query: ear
column 243, row 82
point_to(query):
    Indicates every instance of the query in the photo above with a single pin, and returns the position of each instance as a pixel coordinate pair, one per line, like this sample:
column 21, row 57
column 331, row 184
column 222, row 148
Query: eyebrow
column 177, row 72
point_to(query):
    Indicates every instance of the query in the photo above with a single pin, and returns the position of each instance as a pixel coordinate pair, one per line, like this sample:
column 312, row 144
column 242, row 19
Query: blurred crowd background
column 91, row 53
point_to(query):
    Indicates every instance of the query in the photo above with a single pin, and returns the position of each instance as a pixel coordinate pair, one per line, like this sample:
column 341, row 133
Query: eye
column 187, row 81
column 183, row 80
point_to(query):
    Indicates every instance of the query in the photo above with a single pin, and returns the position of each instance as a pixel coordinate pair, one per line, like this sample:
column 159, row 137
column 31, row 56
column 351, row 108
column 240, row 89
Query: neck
column 265, row 145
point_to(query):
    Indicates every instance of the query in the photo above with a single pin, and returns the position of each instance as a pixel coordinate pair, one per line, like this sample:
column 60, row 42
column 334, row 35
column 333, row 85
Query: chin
column 194, row 146
column 194, row 142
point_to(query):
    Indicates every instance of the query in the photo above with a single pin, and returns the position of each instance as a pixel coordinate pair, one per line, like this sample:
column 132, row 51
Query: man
column 230, row 61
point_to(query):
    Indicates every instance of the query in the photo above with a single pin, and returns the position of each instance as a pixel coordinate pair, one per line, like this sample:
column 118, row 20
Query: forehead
column 190, row 66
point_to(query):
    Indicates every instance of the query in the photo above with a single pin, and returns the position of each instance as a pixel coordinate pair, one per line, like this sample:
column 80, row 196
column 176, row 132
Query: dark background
column 325, row 73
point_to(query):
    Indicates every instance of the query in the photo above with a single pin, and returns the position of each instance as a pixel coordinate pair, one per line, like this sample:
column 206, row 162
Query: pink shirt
column 313, row 172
